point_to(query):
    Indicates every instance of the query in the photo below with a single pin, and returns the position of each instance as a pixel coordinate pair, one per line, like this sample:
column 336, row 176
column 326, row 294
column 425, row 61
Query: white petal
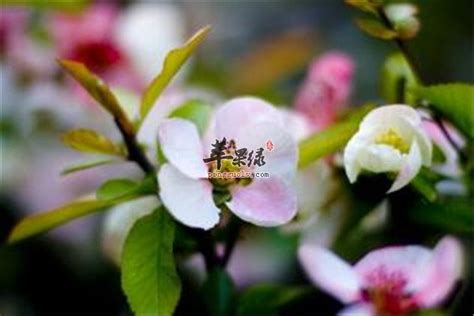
column 409, row 169
column 385, row 116
column 380, row 158
column 188, row 200
column 264, row 202
column 330, row 273
column 237, row 114
column 179, row 140
column 361, row 309
column 351, row 155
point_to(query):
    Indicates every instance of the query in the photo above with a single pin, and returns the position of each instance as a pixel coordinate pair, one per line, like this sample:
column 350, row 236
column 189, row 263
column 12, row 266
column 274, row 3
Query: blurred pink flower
column 249, row 122
column 89, row 38
column 388, row 281
column 26, row 55
column 325, row 89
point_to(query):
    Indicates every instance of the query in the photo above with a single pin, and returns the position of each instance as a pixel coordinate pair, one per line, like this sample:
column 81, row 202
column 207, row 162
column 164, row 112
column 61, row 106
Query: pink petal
column 264, row 202
column 238, row 114
column 408, row 264
column 330, row 273
column 180, row 143
column 409, row 170
column 361, row 309
column 281, row 158
column 188, row 200
column 447, row 261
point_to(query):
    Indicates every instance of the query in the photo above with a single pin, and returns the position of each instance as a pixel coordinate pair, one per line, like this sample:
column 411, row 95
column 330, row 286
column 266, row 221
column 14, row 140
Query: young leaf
column 396, row 79
column 89, row 141
column 97, row 90
column 375, row 28
column 455, row 101
column 149, row 277
column 365, row 5
column 173, row 62
column 331, row 139
column 195, row 111
column 119, row 188
column 267, row 299
column 218, row 291
column 45, row 221
column 87, row 165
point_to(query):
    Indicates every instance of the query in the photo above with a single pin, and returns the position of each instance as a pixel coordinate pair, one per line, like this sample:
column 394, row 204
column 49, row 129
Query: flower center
column 388, row 294
column 225, row 176
column 98, row 56
column 393, row 139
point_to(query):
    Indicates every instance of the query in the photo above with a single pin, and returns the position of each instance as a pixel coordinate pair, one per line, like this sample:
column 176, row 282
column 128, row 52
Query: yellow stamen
column 392, row 138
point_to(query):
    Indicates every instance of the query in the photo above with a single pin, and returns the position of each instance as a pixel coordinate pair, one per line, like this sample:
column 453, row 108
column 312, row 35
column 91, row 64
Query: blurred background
column 260, row 47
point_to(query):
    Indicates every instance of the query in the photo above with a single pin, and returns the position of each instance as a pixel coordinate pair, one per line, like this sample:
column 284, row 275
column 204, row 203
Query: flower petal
column 361, row 309
column 179, row 140
column 409, row 169
column 408, row 263
column 188, row 200
column 386, row 115
column 237, row 114
column 330, row 273
column 264, row 202
column 281, row 159
column 448, row 263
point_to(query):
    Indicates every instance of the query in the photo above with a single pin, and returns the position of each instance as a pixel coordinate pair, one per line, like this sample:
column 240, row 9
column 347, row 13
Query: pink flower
column 325, row 89
column 89, row 39
column 394, row 280
column 185, row 188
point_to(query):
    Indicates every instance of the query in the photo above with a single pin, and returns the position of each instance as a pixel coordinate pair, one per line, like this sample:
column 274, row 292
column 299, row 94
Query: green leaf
column 173, row 62
column 45, row 221
column 452, row 215
column 89, row 141
column 119, row 188
column 375, row 28
column 396, row 79
column 365, row 5
column 97, row 90
column 149, row 277
column 267, row 299
column 218, row 291
column 195, row 111
column 87, row 165
column 455, row 101
column 331, row 139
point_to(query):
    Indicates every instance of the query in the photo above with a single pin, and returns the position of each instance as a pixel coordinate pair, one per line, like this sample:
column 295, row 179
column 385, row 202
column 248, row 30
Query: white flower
column 389, row 139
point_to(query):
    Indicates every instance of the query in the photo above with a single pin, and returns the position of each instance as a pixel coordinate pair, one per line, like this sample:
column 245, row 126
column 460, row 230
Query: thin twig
column 233, row 235
column 416, row 70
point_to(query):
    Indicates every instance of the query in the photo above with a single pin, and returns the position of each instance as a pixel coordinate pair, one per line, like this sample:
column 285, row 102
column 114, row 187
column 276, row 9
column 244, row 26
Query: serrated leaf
column 97, row 89
column 267, row 299
column 44, row 221
column 396, row 79
column 218, row 291
column 454, row 101
column 365, row 5
column 331, row 139
column 149, row 277
column 89, row 141
column 173, row 62
column 195, row 111
column 375, row 28
column 87, row 165
column 118, row 188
